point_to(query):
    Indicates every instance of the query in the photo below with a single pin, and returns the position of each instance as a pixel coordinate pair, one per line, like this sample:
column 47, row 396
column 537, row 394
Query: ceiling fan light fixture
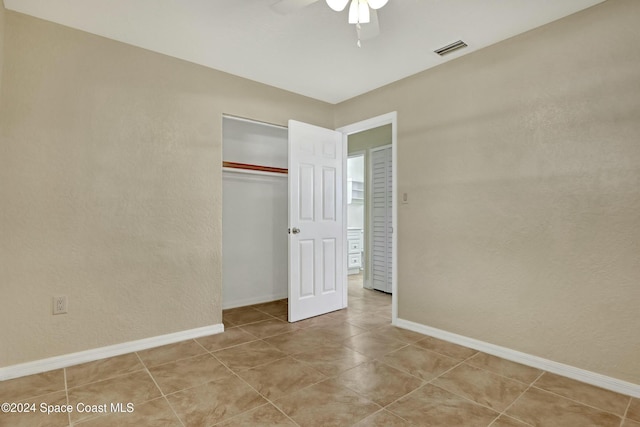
column 363, row 12
column 376, row 4
column 359, row 12
column 353, row 12
column 337, row 5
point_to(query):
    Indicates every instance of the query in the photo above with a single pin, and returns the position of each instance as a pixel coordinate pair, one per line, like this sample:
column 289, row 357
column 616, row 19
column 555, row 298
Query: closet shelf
column 259, row 168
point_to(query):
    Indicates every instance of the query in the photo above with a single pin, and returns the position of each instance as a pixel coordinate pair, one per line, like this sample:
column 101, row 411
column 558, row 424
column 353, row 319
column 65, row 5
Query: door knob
column 295, row 230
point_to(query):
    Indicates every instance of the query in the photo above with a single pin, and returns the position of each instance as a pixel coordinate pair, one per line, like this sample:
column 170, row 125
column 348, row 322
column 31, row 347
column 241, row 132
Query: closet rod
column 247, row 166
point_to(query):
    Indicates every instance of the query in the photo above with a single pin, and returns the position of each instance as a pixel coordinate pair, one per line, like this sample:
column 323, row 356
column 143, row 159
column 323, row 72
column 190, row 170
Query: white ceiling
column 311, row 51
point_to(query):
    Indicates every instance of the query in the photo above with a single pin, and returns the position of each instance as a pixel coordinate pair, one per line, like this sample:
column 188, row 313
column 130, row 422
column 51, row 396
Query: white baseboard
column 593, row 378
column 57, row 362
column 253, row 300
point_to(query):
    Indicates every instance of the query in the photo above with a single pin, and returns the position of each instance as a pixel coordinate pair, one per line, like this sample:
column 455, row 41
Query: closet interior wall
column 254, row 214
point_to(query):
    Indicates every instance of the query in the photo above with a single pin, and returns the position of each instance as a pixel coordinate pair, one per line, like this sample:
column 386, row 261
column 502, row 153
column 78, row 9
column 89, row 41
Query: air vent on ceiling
column 450, row 48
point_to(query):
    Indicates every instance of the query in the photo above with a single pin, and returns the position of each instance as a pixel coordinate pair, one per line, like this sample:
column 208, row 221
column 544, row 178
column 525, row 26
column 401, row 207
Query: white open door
column 316, row 233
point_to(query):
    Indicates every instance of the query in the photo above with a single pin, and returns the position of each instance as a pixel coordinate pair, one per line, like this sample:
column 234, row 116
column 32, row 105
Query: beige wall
column 376, row 137
column 522, row 166
column 2, row 12
column 521, row 162
column 110, row 188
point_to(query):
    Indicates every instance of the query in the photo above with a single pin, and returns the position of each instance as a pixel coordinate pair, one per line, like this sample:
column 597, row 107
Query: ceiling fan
column 362, row 13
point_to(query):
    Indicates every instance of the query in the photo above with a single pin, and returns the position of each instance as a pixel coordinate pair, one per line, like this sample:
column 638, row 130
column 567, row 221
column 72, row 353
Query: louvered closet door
column 381, row 229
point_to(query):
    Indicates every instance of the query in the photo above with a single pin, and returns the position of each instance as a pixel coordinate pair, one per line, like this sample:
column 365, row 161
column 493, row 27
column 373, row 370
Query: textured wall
column 110, row 188
column 522, row 165
column 376, row 137
column 2, row 12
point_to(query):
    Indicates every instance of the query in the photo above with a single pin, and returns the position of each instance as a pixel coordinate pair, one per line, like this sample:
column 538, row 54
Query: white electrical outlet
column 60, row 304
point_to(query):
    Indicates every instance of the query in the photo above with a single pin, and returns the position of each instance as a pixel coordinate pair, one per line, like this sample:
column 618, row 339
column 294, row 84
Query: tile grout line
column 626, row 411
column 269, row 336
column 269, row 402
column 66, row 390
column 262, row 364
column 520, row 382
column 518, row 398
column 459, row 362
column 426, row 382
column 581, row 402
column 173, row 410
column 532, row 384
column 430, row 382
column 447, row 371
column 232, row 346
column 94, row 416
column 381, row 407
column 386, row 408
column 162, row 394
column 180, row 359
column 503, row 376
column 203, row 347
column 109, row 378
column 182, row 389
column 578, row 401
column 509, row 416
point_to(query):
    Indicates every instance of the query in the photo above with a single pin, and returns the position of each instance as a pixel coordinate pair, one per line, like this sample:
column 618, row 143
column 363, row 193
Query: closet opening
column 254, row 213
column 283, row 222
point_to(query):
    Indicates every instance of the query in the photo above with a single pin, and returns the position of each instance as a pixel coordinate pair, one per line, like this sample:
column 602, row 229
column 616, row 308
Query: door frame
column 374, row 122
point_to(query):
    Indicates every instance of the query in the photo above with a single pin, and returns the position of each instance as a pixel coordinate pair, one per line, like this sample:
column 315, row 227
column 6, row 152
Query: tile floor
column 345, row 368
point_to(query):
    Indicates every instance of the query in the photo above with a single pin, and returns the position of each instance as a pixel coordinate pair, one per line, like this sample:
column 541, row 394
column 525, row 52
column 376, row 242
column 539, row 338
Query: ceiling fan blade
column 284, row 7
column 371, row 29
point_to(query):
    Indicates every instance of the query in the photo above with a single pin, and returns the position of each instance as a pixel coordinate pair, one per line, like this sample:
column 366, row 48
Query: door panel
column 315, row 218
column 329, row 258
column 329, row 185
column 306, row 192
column 381, row 218
column 307, row 273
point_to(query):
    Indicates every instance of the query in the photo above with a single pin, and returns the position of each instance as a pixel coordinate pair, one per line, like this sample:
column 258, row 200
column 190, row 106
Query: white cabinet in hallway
column 354, row 242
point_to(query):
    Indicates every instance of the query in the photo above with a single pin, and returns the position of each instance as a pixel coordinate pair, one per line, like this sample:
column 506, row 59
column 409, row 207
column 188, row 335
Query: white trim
column 252, row 121
column 589, row 377
column 345, row 215
column 252, row 172
column 57, row 362
column 374, row 122
column 255, row 300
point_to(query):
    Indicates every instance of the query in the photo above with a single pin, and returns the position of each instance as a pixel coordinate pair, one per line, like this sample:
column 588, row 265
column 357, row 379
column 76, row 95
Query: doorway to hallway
column 370, row 208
